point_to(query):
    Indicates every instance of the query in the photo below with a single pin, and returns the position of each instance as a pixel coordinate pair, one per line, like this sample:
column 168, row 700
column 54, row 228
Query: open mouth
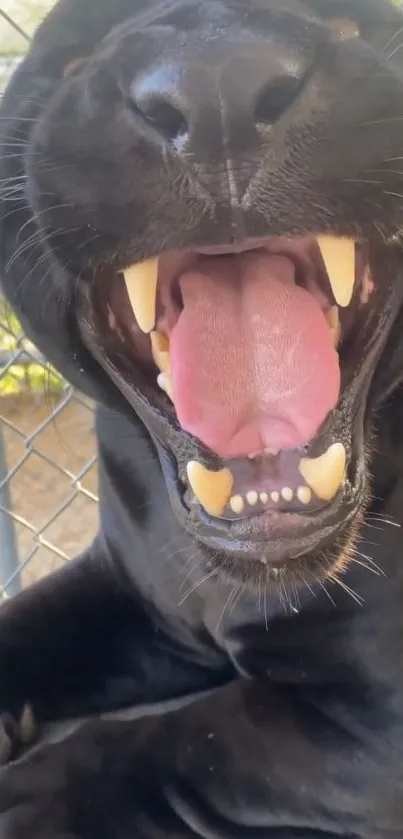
column 258, row 358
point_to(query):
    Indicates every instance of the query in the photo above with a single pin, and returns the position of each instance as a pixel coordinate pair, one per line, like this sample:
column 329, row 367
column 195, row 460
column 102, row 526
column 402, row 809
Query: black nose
column 221, row 94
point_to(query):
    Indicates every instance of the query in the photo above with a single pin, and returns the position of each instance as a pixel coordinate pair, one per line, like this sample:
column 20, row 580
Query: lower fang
column 212, row 489
column 325, row 474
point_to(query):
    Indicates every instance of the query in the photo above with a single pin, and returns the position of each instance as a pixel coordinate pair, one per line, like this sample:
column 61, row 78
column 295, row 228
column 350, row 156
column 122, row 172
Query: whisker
column 360, row 181
column 227, row 602
column 353, row 594
column 394, row 52
column 385, row 171
column 196, row 586
column 371, row 562
column 392, row 39
column 356, row 561
column 383, row 121
column 241, row 590
column 18, row 119
column 323, row 587
column 383, row 519
column 373, row 203
column 309, row 587
column 259, row 596
column 266, row 617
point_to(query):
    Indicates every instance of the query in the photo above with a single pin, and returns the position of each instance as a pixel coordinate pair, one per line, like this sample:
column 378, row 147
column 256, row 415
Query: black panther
column 201, row 226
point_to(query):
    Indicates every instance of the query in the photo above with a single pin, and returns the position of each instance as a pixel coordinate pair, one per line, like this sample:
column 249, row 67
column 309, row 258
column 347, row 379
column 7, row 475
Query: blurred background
column 48, row 475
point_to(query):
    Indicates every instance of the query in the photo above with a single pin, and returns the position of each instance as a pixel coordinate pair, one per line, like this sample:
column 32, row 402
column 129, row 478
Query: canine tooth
column 160, row 351
column 287, row 493
column 212, row 489
column 264, row 497
column 332, row 317
column 304, row 495
column 141, row 284
column 338, row 254
column 325, row 474
column 165, row 383
column 275, row 497
column 252, row 498
column 237, row 504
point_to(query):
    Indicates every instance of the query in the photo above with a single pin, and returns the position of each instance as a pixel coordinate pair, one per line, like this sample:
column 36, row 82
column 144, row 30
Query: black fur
column 290, row 723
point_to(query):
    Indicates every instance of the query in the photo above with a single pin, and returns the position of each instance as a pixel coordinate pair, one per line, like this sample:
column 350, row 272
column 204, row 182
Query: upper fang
column 338, row 255
column 141, row 284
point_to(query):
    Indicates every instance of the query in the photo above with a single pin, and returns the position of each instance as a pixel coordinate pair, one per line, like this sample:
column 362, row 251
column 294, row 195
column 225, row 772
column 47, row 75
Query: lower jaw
column 271, row 538
column 307, row 547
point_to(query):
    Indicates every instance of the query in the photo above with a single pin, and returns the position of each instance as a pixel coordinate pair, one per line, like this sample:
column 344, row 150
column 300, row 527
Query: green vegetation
column 31, row 377
column 24, row 375
column 27, row 14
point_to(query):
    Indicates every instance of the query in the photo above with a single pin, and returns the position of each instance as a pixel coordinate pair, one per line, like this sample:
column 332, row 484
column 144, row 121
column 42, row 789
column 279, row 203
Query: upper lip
column 238, row 247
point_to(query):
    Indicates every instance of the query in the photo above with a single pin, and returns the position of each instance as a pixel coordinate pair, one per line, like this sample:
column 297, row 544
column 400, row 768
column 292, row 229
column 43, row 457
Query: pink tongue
column 253, row 363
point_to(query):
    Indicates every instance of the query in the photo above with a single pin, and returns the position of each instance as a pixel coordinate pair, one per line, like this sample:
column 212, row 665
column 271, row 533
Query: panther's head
column 210, row 195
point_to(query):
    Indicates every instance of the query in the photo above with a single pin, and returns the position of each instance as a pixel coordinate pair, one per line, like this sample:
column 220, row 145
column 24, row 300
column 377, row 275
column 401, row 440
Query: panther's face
column 221, row 185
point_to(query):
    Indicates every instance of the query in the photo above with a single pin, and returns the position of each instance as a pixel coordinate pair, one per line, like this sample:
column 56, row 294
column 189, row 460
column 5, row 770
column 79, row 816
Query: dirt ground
column 56, row 514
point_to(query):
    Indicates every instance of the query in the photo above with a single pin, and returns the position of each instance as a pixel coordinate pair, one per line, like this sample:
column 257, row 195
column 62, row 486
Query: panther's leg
column 78, row 643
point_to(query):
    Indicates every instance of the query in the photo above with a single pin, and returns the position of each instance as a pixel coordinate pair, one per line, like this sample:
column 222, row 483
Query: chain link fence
column 48, row 470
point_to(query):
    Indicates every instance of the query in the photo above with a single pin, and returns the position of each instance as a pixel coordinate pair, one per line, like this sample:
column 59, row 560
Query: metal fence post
column 10, row 579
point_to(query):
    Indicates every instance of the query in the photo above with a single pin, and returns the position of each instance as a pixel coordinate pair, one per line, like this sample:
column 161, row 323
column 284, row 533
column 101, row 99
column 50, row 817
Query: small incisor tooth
column 287, row 494
column 332, row 317
column 338, row 254
column 304, row 495
column 141, row 284
column 165, row 383
column 325, row 474
column 160, row 351
column 237, row 504
column 212, row 489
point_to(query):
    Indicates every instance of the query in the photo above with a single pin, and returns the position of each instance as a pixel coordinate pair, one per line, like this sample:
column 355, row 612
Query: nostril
column 275, row 98
column 165, row 117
